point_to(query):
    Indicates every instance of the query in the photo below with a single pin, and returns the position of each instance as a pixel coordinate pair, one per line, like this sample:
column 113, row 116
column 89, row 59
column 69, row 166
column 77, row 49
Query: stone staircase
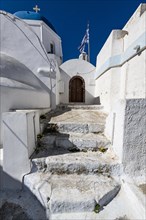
column 74, row 168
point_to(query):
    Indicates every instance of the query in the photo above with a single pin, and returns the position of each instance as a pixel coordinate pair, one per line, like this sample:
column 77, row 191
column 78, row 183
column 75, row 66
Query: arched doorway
column 77, row 89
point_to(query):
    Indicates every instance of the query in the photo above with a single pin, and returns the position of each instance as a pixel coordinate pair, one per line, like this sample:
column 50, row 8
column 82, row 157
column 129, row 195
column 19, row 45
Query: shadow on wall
column 20, row 204
column 89, row 88
column 15, row 74
column 20, row 88
column 97, row 100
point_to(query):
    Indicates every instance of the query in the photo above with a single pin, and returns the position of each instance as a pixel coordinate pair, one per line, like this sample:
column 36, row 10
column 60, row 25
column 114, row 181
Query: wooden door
column 76, row 90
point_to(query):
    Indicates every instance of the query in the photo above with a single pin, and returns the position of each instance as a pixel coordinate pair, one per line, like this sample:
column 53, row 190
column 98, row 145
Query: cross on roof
column 36, row 9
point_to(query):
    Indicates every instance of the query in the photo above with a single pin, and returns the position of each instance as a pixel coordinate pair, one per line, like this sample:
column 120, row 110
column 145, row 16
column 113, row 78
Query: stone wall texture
column 134, row 146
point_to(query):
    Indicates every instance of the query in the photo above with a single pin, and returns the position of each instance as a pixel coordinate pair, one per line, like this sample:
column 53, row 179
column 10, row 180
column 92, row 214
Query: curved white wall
column 77, row 67
column 19, row 88
column 18, row 40
column 23, row 57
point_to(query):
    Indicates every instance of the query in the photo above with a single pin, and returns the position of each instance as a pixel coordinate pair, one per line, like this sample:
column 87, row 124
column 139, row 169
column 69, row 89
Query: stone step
column 74, row 141
column 79, row 163
column 77, row 121
column 120, row 208
column 88, row 216
column 67, row 127
column 79, row 106
column 72, row 193
column 78, row 116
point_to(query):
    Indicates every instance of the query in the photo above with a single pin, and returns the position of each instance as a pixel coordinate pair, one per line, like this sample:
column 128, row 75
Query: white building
column 31, row 52
column 34, row 77
column 31, row 55
column 121, row 85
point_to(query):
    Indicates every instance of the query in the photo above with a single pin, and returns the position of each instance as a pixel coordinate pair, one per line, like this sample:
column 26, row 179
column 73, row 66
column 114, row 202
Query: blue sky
column 69, row 17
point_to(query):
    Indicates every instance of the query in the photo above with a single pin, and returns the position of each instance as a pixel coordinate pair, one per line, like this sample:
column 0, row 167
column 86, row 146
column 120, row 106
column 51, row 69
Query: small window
column 51, row 48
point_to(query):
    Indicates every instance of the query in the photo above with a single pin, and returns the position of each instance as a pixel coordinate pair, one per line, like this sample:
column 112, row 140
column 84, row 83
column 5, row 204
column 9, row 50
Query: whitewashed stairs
column 72, row 173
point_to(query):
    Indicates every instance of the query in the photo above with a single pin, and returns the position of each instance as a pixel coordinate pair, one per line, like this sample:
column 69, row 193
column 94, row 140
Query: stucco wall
column 21, row 43
column 23, row 83
column 121, row 85
column 134, row 142
column 112, row 48
column 136, row 77
column 36, row 26
column 135, row 26
column 125, row 82
column 126, row 128
column 20, row 130
column 13, row 98
column 48, row 36
column 114, row 128
column 108, row 88
column 77, row 67
column 121, row 63
column 20, row 88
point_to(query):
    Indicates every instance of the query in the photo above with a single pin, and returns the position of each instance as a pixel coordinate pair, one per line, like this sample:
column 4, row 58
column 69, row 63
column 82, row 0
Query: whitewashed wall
column 20, row 131
column 20, row 42
column 120, row 70
column 108, row 88
column 36, row 27
column 135, row 77
column 24, row 83
column 121, row 84
column 47, row 36
column 77, row 67
column 114, row 128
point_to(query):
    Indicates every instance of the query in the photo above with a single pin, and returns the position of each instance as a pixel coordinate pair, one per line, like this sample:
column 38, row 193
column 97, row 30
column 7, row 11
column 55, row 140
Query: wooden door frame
column 83, row 85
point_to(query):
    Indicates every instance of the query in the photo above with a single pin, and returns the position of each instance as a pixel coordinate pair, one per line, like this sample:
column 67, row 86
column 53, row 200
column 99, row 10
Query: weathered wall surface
column 126, row 128
column 134, row 142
